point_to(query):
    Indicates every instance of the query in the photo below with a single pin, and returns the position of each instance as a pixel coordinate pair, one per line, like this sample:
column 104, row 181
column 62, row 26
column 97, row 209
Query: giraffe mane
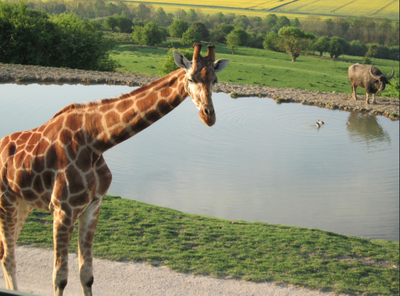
column 133, row 93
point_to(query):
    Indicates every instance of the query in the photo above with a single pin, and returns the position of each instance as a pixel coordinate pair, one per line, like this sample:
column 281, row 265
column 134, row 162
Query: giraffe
column 59, row 166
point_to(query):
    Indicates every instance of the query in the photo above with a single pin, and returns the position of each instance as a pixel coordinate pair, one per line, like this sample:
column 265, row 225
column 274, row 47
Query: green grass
column 135, row 231
column 259, row 67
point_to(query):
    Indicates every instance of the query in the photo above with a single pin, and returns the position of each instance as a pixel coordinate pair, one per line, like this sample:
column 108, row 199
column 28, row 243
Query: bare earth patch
column 35, row 268
column 388, row 107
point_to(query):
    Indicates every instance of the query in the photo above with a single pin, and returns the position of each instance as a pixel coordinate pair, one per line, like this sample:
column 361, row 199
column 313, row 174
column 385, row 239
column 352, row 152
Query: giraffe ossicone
column 59, row 166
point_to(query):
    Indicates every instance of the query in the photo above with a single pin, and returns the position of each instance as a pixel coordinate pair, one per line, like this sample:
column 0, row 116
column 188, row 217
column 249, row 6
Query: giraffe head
column 199, row 79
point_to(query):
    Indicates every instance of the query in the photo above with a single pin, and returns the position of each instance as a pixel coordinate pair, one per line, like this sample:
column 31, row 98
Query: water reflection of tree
column 364, row 127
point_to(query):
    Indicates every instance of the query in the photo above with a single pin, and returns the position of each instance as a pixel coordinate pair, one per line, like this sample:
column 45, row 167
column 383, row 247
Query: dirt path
column 35, row 268
column 388, row 107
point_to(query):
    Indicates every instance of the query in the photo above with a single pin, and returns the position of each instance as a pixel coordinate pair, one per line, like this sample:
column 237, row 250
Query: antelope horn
column 391, row 75
column 211, row 53
column 373, row 75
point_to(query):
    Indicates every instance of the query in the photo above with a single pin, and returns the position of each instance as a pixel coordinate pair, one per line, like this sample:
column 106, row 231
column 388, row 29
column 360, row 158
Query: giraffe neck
column 122, row 118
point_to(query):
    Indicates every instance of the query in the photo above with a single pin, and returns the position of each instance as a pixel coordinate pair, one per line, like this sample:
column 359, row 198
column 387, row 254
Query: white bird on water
column 317, row 124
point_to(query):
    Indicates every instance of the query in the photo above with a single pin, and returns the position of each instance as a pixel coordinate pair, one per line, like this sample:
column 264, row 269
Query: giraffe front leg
column 87, row 225
column 62, row 231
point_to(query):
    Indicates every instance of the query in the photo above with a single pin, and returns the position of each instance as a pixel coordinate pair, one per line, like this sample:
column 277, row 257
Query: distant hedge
column 32, row 37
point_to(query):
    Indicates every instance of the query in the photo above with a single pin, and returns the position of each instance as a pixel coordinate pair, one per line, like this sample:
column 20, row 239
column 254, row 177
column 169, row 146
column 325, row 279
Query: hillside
column 292, row 8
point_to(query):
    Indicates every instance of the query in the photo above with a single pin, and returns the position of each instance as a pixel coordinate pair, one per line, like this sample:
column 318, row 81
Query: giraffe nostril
column 208, row 112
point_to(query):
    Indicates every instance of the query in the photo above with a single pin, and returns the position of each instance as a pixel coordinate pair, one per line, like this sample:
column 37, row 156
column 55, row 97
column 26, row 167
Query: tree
column 270, row 21
column 202, row 29
column 177, row 28
column 321, row 45
column 219, row 32
column 151, row 34
column 357, row 48
column 110, row 22
column 335, row 48
column 272, row 41
column 162, row 18
column 143, row 12
column 282, row 21
column 295, row 22
column 232, row 40
column 124, row 24
column 190, row 36
column 295, row 41
column 242, row 35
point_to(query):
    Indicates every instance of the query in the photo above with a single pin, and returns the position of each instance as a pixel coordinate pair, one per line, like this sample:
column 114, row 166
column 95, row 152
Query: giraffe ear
column 181, row 61
column 220, row 65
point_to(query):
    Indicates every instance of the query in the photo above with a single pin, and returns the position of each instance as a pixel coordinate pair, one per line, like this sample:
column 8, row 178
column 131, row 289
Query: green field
column 260, row 67
column 291, row 8
column 257, row 252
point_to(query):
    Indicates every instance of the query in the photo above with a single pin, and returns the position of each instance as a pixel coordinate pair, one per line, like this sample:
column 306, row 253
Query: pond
column 261, row 161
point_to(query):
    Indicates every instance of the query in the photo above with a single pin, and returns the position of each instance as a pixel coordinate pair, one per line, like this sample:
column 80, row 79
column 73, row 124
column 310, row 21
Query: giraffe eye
column 191, row 80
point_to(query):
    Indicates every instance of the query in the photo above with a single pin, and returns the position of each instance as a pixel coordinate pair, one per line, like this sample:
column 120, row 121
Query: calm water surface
column 260, row 162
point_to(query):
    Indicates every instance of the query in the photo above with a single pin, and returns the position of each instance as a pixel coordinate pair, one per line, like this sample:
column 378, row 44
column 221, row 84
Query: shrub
column 392, row 90
column 34, row 38
column 169, row 65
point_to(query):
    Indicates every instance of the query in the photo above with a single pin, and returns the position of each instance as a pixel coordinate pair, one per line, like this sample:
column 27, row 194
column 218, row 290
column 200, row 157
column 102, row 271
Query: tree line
column 358, row 36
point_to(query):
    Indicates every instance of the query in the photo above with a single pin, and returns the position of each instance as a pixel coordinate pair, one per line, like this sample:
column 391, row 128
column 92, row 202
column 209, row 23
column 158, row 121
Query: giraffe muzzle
column 207, row 115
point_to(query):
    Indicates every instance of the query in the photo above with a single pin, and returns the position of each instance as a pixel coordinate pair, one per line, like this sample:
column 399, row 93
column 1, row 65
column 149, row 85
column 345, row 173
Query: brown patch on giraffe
column 79, row 200
column 74, row 121
column 139, row 125
column 124, row 105
column 29, row 195
column 103, row 186
column 103, row 144
column 29, row 148
column 205, row 75
column 112, row 118
column 145, row 104
column 85, row 160
column 41, row 147
column 23, row 138
column 153, row 115
column 176, row 101
column 129, row 115
column 18, row 158
column 93, row 124
column 34, row 139
column 26, row 164
column 60, row 191
column 48, row 179
column 120, row 134
column 11, row 149
column 74, row 179
column 106, row 107
column 52, row 128
column 15, row 136
column 56, row 157
column 38, row 164
column 90, row 181
column 164, row 107
column 65, row 137
column 23, row 179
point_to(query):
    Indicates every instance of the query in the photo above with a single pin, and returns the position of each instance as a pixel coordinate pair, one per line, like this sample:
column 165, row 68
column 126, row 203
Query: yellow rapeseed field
column 378, row 9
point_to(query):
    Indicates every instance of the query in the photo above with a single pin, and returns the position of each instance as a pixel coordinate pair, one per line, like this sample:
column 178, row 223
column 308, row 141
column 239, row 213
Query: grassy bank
column 259, row 67
column 135, row 231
